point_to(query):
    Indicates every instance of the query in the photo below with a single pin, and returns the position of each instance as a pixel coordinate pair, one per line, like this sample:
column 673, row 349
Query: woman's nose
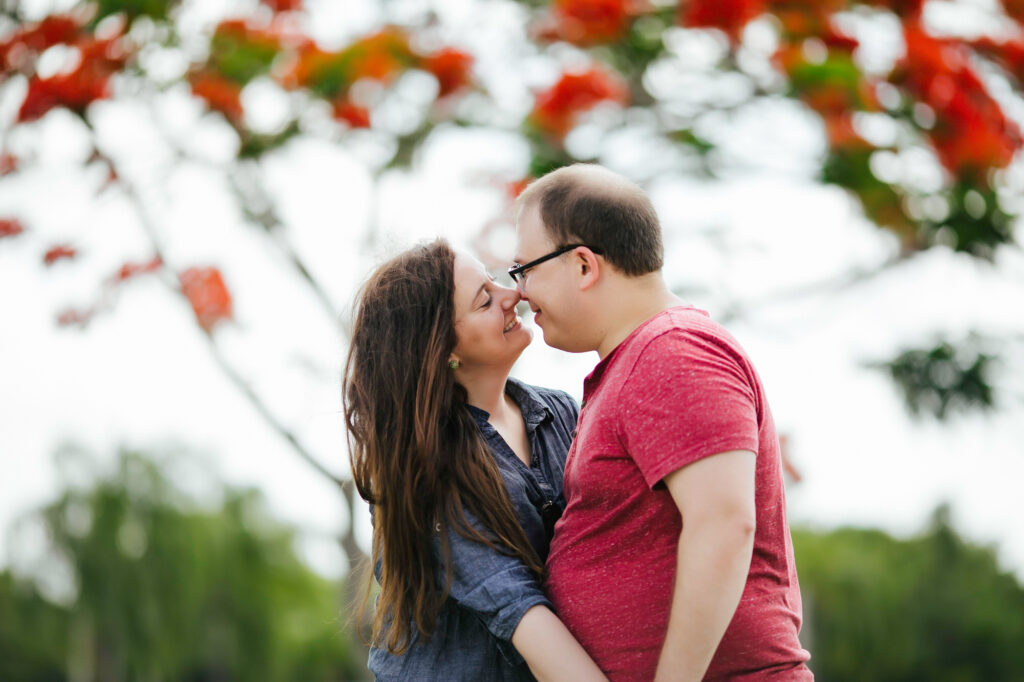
column 510, row 297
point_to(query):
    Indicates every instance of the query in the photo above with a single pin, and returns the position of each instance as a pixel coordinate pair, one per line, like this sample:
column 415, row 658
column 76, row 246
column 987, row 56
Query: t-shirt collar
column 593, row 380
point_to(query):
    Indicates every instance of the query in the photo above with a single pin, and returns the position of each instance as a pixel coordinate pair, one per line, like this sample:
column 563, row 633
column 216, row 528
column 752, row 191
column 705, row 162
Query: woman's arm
column 550, row 649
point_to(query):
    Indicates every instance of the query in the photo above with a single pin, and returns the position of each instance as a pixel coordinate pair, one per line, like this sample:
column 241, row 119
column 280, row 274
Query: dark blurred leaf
column 255, row 146
column 945, row 379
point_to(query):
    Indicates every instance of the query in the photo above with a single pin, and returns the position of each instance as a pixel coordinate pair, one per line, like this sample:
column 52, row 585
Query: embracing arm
column 550, row 649
column 715, row 497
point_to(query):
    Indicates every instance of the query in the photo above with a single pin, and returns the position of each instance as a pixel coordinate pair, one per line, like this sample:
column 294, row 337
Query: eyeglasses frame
column 516, row 271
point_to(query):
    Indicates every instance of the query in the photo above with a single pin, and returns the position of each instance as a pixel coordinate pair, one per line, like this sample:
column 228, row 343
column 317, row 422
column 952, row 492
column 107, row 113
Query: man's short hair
column 592, row 205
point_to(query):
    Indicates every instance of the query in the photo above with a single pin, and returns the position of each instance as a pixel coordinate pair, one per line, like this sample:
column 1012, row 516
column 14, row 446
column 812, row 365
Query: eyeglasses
column 518, row 272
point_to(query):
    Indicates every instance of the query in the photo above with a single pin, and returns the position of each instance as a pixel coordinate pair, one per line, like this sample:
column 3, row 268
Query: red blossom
column 1010, row 54
column 71, row 317
column 307, row 64
column 514, row 189
column 129, row 270
column 728, row 15
column 59, row 252
column 590, row 22
column 8, row 163
column 1014, row 9
column 557, row 109
column 283, row 5
column 219, row 93
column 905, row 9
column 352, row 114
column 971, row 134
column 379, row 56
column 77, row 89
column 205, row 290
column 37, row 38
column 10, row 227
column 451, row 67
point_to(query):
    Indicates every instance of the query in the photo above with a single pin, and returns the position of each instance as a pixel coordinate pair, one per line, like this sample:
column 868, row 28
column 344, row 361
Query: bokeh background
column 192, row 191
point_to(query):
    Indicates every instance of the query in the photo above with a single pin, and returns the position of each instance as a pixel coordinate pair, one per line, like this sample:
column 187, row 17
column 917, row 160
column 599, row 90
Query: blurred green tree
column 932, row 608
column 167, row 588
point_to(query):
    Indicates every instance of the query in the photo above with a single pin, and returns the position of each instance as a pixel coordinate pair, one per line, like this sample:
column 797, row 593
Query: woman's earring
column 453, row 364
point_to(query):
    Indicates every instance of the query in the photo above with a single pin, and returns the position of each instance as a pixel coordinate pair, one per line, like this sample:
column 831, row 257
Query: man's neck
column 636, row 302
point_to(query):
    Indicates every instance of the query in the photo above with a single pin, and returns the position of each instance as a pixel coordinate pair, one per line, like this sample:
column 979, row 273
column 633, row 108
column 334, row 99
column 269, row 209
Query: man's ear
column 588, row 267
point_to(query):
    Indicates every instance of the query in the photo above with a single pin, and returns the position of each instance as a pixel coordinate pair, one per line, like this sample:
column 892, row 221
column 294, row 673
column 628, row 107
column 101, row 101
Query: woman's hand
column 551, row 651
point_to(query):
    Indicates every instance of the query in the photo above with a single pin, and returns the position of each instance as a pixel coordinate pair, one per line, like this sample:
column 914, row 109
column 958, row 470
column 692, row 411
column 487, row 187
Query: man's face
column 549, row 286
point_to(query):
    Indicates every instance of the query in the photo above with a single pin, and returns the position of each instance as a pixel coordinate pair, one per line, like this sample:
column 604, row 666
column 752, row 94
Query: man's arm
column 715, row 497
column 550, row 649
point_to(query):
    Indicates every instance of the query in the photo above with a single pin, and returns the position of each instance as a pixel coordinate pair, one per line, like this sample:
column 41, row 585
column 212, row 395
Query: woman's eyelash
column 487, row 303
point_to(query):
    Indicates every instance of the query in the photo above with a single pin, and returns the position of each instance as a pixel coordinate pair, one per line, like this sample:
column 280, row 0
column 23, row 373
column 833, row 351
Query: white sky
column 141, row 376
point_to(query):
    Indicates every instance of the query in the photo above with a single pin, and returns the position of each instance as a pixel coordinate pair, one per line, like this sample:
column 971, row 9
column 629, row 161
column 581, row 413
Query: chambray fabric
column 489, row 591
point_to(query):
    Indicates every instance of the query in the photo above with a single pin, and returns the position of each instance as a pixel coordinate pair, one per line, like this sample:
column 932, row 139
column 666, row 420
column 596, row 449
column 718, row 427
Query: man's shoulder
column 678, row 325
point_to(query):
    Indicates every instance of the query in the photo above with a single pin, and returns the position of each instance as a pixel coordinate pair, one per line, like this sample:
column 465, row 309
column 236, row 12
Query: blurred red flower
column 75, row 317
column 8, row 163
column 80, row 87
column 1014, row 9
column 451, row 67
column 219, row 93
column 906, row 9
column 10, row 227
column 352, row 114
column 52, row 30
column 589, row 22
column 283, row 5
column 728, row 15
column 129, row 270
column 557, row 109
column 1010, row 54
column 379, row 56
column 205, row 290
column 59, row 252
column 971, row 134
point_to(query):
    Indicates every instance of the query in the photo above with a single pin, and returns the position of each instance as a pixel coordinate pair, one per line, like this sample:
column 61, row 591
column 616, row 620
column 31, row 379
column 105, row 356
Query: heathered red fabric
column 678, row 389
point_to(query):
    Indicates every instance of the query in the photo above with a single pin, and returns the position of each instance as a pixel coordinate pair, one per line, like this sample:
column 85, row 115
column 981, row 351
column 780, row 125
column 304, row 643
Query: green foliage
column 166, row 590
column 33, row 634
column 933, row 608
column 976, row 221
column 241, row 58
column 155, row 9
column 944, row 379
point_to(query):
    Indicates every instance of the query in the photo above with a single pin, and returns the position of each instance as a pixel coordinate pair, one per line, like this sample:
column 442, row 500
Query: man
column 673, row 558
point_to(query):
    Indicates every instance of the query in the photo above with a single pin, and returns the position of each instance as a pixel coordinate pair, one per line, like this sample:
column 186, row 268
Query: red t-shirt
column 678, row 389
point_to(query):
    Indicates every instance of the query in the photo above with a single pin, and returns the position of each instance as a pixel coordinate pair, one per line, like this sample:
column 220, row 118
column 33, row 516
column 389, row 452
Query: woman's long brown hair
column 416, row 452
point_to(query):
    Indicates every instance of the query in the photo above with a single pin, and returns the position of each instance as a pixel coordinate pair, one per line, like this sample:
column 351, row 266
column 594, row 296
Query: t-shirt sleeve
column 687, row 397
column 497, row 588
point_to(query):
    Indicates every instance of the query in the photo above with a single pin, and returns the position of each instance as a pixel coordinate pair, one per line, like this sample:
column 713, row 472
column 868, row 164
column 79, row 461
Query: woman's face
column 488, row 332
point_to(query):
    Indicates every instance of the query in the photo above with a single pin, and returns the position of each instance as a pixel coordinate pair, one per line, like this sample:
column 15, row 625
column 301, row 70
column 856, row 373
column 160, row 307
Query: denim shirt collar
column 535, row 412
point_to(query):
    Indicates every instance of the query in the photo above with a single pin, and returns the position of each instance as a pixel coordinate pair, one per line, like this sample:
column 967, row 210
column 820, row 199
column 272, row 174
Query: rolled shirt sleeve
column 497, row 588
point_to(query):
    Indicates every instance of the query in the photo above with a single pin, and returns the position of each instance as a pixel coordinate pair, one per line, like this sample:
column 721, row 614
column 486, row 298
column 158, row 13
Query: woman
column 463, row 468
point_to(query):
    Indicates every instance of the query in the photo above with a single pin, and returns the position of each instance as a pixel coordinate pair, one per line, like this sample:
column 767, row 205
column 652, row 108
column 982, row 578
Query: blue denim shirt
column 490, row 592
